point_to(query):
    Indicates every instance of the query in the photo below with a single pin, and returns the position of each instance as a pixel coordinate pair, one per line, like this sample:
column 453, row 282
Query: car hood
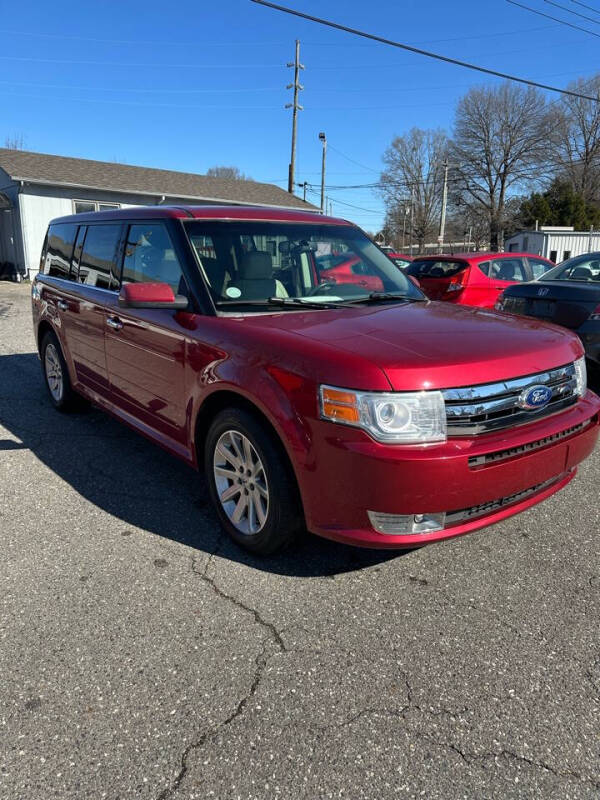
column 435, row 345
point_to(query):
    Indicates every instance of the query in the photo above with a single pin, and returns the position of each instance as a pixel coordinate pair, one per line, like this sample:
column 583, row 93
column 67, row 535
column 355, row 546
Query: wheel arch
column 226, row 398
column 43, row 328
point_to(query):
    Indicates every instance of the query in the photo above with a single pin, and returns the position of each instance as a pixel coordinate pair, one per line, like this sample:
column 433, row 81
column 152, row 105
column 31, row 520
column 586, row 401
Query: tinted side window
column 538, row 267
column 484, row 266
column 150, row 258
column 508, row 269
column 97, row 266
column 59, row 250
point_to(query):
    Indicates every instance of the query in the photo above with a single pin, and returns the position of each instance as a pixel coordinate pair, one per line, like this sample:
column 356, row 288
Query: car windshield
column 581, row 268
column 294, row 263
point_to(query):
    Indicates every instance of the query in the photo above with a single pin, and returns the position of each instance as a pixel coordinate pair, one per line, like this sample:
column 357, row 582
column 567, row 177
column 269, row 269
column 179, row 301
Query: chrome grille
column 492, row 406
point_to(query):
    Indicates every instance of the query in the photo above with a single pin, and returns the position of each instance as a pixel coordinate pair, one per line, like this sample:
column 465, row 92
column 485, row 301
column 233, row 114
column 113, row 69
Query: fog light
column 406, row 524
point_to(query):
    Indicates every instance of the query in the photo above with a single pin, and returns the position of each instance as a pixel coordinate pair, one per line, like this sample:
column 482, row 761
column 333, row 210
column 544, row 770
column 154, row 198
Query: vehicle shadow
column 139, row 484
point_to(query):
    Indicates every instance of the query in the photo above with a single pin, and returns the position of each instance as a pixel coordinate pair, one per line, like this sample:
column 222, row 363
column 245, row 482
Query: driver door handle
column 62, row 305
column 114, row 323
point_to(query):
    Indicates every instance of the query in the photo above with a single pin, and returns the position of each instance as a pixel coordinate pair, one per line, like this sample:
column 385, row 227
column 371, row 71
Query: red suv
column 377, row 418
column 475, row 279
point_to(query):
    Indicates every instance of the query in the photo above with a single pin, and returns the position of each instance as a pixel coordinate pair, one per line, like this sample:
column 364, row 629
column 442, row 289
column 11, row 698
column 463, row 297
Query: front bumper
column 475, row 481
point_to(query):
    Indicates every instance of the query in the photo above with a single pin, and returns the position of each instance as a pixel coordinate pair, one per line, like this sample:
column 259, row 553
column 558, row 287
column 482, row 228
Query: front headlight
column 394, row 417
column 580, row 376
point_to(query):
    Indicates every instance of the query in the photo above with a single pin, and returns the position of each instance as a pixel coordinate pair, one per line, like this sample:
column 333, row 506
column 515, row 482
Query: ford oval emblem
column 535, row 397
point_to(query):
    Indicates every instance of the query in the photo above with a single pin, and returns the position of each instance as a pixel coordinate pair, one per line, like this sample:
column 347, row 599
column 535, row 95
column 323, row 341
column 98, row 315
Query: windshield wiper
column 381, row 297
column 283, row 302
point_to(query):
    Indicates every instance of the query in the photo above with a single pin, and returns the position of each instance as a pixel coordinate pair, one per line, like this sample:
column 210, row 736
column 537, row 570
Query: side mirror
column 414, row 280
column 151, row 295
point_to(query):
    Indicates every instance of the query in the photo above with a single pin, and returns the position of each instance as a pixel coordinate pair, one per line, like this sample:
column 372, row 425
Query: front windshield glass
column 581, row 268
column 249, row 261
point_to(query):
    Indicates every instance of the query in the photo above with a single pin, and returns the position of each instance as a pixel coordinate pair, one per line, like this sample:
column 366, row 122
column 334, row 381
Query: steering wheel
column 316, row 289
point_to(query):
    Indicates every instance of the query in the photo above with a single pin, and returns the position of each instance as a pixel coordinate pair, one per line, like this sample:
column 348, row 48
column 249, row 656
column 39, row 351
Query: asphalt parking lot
column 143, row 656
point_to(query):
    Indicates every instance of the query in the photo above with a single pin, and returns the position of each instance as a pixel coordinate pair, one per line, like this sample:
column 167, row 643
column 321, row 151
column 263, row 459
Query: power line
column 144, row 90
column 594, row 160
column 583, row 5
column 352, row 161
column 570, row 11
column 350, row 205
column 161, row 42
column 418, row 51
column 548, row 16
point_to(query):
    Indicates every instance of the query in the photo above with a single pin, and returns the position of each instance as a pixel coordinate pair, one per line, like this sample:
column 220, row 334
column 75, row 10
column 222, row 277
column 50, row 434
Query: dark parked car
column 374, row 418
column 568, row 295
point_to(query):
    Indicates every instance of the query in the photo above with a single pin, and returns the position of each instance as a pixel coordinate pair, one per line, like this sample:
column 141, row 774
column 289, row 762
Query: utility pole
column 323, row 139
column 295, row 106
column 412, row 216
column 444, row 204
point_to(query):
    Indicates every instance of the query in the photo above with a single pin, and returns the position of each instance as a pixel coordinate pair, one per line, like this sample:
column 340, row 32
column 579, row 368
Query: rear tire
column 251, row 483
column 56, row 376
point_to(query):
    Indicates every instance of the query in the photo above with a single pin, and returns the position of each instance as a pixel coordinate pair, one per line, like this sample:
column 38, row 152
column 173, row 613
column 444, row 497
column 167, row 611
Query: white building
column 557, row 244
column 35, row 188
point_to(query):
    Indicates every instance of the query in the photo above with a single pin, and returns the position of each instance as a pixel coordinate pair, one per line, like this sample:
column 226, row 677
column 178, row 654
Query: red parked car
column 346, row 268
column 475, row 279
column 377, row 418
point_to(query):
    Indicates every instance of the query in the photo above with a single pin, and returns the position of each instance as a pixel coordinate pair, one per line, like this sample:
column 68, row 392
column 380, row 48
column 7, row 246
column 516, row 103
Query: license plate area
column 544, row 308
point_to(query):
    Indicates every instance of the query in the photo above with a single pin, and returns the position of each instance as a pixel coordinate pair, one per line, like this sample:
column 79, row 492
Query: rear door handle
column 63, row 305
column 114, row 323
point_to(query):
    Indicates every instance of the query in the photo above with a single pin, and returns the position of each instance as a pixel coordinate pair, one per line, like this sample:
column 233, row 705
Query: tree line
column 514, row 159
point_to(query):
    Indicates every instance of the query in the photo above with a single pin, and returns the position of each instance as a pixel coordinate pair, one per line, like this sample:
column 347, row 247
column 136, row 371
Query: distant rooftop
column 41, row 168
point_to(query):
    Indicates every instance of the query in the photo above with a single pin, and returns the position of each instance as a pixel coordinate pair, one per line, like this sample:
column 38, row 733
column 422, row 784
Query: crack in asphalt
column 469, row 758
column 509, row 754
column 261, row 661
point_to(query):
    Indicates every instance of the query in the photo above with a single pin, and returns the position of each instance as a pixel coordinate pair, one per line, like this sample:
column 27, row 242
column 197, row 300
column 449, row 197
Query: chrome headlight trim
column 389, row 417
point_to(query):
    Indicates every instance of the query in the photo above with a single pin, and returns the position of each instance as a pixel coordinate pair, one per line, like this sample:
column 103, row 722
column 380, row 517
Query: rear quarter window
column 98, row 260
column 435, row 269
column 59, row 250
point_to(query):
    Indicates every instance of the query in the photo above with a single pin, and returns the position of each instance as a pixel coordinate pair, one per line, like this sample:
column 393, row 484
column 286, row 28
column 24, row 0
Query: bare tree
column 231, row 173
column 577, row 138
column 412, row 181
column 16, row 142
column 500, row 135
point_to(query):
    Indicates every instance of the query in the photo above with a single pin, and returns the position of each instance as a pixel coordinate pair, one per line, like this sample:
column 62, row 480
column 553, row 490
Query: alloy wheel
column 54, row 373
column 241, row 482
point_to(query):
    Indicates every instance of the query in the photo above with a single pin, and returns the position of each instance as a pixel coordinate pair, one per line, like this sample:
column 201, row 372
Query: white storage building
column 557, row 244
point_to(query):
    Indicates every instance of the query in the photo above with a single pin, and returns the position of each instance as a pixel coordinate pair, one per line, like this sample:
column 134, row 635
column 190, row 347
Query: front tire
column 56, row 375
column 250, row 483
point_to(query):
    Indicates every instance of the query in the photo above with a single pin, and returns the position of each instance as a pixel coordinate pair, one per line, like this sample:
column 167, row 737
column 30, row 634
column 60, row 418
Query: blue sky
column 192, row 84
